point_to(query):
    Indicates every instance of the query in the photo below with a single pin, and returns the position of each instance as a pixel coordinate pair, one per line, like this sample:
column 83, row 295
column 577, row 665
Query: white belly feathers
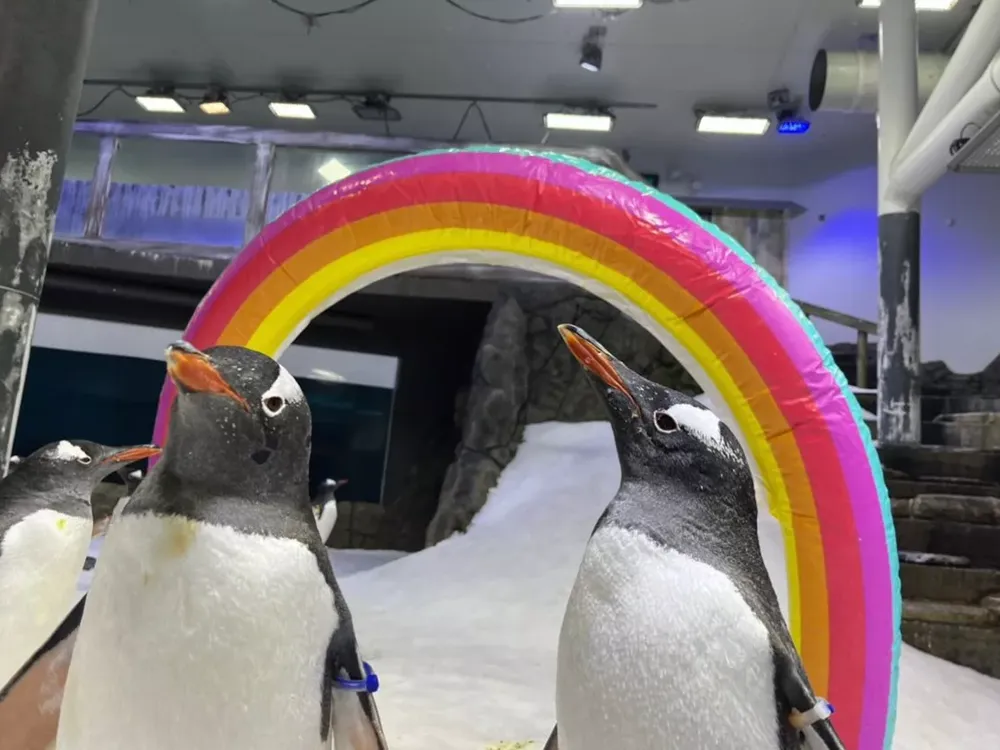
column 40, row 561
column 660, row 652
column 228, row 630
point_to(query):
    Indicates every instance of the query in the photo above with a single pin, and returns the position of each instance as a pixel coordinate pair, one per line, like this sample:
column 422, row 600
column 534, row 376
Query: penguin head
column 76, row 467
column 658, row 430
column 240, row 418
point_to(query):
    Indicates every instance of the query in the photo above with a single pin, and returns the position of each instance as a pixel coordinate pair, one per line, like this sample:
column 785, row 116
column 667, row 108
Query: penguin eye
column 664, row 422
column 85, row 460
column 273, row 405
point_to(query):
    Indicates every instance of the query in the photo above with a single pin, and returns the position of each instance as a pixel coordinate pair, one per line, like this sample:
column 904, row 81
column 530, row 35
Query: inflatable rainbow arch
column 738, row 333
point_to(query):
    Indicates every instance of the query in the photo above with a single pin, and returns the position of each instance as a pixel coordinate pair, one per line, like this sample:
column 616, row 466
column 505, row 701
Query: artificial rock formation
column 525, row 375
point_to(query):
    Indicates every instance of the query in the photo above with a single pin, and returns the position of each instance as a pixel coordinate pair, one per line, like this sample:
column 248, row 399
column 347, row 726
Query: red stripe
column 794, row 399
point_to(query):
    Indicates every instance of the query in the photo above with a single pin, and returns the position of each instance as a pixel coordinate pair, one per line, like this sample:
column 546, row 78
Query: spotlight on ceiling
column 215, row 103
column 376, row 107
column 922, row 5
column 596, row 4
column 290, row 108
column 732, row 124
column 592, row 54
column 596, row 122
column 160, row 100
column 334, row 170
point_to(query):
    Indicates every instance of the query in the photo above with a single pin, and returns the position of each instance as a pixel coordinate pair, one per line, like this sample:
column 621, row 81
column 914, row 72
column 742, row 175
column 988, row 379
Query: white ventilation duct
column 848, row 81
column 927, row 161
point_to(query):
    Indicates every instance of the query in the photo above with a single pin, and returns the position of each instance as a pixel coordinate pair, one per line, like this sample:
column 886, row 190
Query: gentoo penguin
column 214, row 620
column 673, row 636
column 45, row 529
column 325, row 507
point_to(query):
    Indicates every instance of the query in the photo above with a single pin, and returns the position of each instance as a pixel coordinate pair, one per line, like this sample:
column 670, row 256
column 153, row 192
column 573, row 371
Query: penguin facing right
column 673, row 636
column 216, row 559
column 325, row 507
column 45, row 529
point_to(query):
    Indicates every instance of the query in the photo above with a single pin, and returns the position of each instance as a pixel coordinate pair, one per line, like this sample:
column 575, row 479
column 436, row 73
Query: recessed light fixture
column 214, row 103
column 292, row 110
column 596, row 4
column 334, row 170
column 733, row 124
column 922, row 5
column 594, row 123
column 160, row 102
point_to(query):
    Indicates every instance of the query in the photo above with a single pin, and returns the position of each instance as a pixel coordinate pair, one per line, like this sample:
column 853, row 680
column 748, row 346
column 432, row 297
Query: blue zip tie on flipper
column 819, row 712
column 368, row 685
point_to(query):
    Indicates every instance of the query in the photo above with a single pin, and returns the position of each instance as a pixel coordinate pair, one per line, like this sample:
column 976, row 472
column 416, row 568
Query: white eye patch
column 66, row 451
column 283, row 391
column 703, row 425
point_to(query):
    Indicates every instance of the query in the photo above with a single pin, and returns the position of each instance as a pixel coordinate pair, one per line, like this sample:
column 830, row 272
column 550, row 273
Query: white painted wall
column 146, row 342
column 833, row 261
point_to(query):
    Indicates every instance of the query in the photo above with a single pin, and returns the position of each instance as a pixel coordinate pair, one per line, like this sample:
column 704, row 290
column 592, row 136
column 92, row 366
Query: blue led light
column 793, row 127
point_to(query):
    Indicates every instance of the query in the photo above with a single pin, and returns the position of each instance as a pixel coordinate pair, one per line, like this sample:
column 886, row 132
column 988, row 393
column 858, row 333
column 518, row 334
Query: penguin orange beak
column 194, row 372
column 131, row 455
column 595, row 360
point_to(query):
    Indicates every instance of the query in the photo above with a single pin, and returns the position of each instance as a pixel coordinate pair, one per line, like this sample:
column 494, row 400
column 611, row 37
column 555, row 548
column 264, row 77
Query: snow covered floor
column 463, row 635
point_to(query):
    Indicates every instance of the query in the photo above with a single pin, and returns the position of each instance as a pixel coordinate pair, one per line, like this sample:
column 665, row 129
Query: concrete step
column 971, row 646
column 933, row 462
column 977, row 542
column 949, row 613
column 981, row 509
column 971, row 586
column 902, row 488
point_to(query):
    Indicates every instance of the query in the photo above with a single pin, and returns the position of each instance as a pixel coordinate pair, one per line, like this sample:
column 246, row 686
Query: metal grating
column 982, row 152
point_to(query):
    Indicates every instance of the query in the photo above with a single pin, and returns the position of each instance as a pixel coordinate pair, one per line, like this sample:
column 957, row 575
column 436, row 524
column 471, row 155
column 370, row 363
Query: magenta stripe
column 721, row 260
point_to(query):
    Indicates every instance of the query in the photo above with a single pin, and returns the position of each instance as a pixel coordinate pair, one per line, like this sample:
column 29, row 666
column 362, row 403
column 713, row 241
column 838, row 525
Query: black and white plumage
column 45, row 529
column 214, row 619
column 673, row 636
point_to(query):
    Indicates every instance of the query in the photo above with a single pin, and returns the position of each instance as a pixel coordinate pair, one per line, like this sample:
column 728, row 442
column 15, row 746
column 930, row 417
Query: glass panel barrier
column 300, row 172
column 184, row 192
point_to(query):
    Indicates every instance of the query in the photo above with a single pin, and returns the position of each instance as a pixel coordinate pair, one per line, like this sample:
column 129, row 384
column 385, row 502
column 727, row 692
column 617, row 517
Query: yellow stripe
column 310, row 295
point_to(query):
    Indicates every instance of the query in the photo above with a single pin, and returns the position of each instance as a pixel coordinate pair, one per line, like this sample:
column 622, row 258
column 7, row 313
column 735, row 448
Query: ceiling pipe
column 977, row 48
column 928, row 161
column 848, row 81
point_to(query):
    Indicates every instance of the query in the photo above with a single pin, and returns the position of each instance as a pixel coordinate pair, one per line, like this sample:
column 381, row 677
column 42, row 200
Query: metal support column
column 898, row 232
column 43, row 50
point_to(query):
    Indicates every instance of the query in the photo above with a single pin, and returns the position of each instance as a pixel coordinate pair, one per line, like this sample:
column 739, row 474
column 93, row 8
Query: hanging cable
column 312, row 18
column 482, row 118
column 100, row 102
column 494, row 19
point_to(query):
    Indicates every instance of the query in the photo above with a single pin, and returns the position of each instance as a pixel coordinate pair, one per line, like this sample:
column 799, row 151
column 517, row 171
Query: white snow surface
column 463, row 635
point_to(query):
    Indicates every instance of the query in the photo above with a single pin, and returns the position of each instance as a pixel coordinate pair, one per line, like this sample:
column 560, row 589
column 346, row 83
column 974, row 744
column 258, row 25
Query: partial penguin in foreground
column 45, row 528
column 673, row 636
column 214, row 619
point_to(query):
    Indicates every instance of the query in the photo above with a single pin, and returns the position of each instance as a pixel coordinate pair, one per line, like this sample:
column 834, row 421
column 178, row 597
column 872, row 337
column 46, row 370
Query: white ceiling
column 675, row 53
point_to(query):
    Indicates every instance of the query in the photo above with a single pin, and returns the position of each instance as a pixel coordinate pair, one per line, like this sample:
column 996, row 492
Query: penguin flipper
column 553, row 741
column 352, row 716
column 793, row 686
column 31, row 701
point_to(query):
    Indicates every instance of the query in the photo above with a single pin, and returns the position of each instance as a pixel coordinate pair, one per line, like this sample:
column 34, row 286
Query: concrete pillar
column 898, row 231
column 43, row 50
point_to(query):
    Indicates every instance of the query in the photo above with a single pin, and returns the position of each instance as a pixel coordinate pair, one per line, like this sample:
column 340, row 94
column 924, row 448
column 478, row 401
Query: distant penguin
column 216, row 559
column 673, row 637
column 325, row 507
column 45, row 529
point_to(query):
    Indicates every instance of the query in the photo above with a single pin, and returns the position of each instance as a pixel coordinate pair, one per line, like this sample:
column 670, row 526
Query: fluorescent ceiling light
column 922, row 5
column 214, row 107
column 733, row 125
column 159, row 104
column 292, row 110
column 334, row 170
column 597, row 4
column 571, row 121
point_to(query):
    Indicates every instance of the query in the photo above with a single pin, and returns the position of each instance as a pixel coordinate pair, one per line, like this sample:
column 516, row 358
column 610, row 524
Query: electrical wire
column 312, row 17
column 494, row 19
column 100, row 102
column 482, row 118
